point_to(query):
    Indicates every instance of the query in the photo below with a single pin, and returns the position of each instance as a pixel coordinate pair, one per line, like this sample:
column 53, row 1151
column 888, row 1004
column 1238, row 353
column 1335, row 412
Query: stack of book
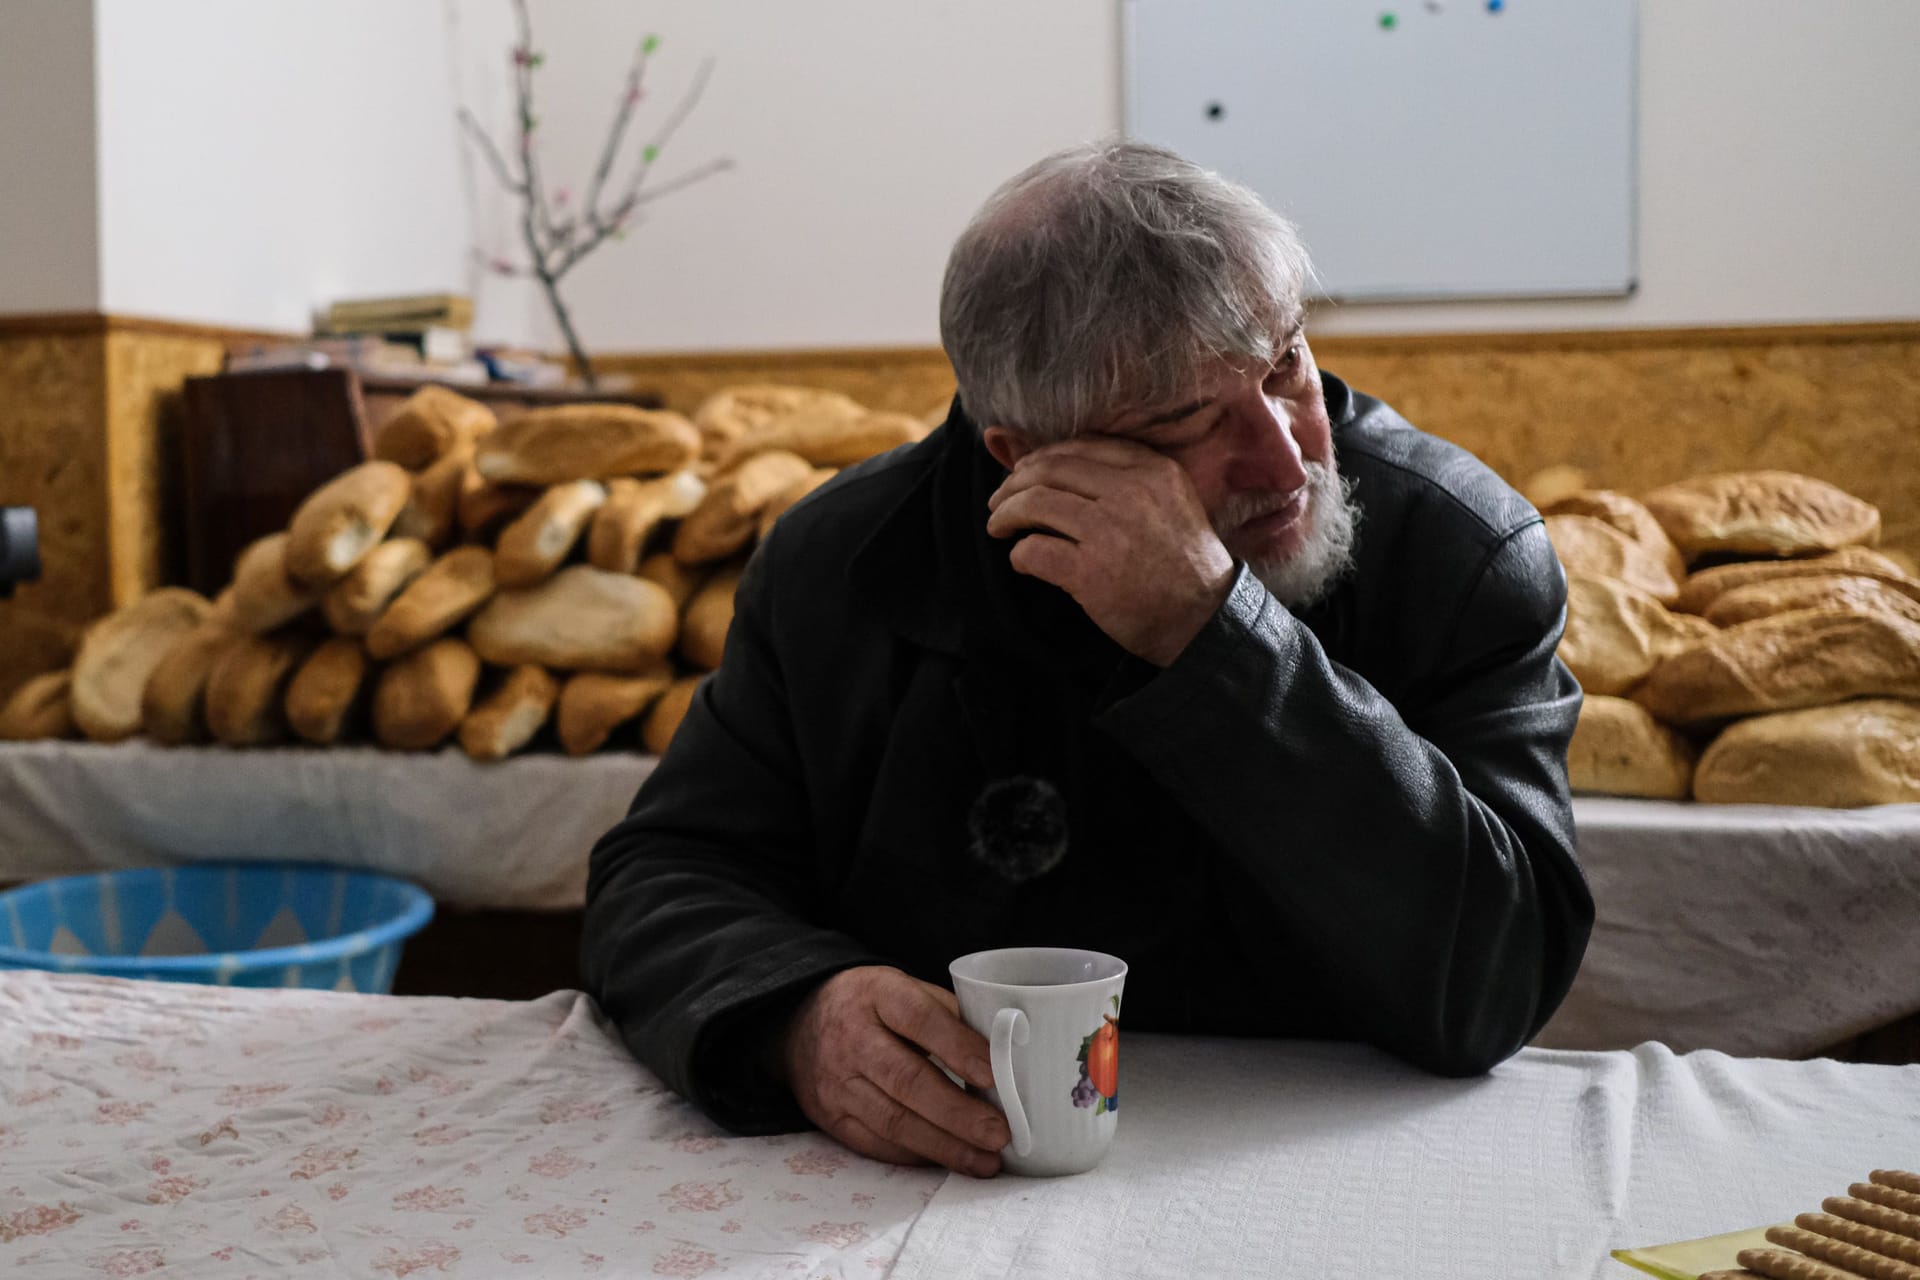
column 421, row 336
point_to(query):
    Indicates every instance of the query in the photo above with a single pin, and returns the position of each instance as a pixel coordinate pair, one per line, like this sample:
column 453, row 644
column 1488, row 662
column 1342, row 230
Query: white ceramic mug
column 1051, row 1017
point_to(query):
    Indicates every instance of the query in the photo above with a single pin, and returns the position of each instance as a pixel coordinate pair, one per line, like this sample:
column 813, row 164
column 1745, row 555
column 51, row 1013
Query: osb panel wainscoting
column 1634, row 408
column 87, row 423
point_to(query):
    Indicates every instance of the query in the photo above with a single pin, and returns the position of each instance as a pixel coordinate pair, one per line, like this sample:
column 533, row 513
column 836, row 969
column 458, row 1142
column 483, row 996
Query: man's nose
column 1266, row 455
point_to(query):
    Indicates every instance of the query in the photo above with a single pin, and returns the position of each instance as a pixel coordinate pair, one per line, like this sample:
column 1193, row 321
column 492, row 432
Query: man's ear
column 1006, row 445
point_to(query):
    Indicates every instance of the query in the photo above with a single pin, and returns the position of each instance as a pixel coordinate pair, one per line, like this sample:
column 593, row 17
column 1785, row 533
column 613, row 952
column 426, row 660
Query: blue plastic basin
column 227, row 924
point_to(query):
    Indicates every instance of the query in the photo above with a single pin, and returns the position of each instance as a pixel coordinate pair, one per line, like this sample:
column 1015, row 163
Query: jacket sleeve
column 1432, row 877
column 697, row 933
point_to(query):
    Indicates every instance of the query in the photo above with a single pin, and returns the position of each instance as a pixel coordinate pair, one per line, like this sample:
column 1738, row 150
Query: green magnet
column 1389, row 20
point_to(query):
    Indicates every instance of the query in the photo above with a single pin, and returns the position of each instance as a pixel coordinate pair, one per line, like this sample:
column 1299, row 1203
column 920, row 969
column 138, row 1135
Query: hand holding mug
column 855, row 1056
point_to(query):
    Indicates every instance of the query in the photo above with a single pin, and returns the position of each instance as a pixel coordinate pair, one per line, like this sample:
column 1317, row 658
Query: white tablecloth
column 222, row 1132
column 1265, row 1159
column 1749, row 929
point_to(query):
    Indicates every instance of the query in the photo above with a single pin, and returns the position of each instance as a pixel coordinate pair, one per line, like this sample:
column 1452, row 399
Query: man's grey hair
column 1110, row 276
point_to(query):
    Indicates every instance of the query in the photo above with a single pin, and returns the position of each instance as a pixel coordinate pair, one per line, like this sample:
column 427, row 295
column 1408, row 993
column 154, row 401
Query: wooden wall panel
column 86, row 406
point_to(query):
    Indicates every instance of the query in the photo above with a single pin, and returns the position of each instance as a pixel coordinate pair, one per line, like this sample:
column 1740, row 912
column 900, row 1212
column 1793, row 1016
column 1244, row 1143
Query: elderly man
column 1165, row 644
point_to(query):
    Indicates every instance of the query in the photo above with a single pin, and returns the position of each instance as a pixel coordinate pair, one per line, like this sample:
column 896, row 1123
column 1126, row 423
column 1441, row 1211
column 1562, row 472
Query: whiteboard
column 1426, row 148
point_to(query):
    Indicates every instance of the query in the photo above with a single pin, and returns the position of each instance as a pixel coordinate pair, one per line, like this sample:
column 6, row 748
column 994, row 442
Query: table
column 224, row 1133
column 1750, row 929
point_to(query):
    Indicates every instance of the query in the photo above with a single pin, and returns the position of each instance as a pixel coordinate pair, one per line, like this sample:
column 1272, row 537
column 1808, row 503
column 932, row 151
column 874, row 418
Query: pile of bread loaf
column 1739, row 641
column 475, row 581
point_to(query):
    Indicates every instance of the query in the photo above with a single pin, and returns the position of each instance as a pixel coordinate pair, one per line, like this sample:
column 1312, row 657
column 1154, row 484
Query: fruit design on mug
column 1099, row 1060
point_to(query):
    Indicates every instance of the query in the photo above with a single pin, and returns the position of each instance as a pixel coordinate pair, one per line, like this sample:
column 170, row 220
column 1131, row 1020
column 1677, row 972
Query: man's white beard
column 1323, row 557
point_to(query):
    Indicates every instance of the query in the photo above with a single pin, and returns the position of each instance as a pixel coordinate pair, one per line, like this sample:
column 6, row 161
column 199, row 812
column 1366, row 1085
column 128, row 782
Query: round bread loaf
column 1592, row 548
column 727, row 518
column 703, row 632
column 120, row 652
column 1779, row 513
column 1615, row 635
column 1849, row 593
column 328, row 690
column 450, row 590
column 428, row 425
column 507, row 718
column 422, row 698
column 343, row 520
column 1626, row 515
column 656, row 733
column 580, row 619
column 39, row 709
column 1700, row 590
column 264, row 595
column 246, row 690
column 356, row 602
column 595, row 703
column 540, row 538
column 1808, row 658
column 1856, row 753
column 587, row 442
column 733, row 412
column 172, row 706
column 1619, row 749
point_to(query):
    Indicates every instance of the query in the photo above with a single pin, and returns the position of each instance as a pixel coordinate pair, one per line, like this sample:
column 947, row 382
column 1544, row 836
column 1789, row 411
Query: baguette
column 119, row 653
column 423, row 696
column 344, row 519
column 507, row 718
column 450, row 590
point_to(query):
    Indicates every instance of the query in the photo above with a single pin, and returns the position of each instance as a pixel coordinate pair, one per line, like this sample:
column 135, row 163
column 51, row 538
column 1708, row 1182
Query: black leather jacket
column 1349, row 824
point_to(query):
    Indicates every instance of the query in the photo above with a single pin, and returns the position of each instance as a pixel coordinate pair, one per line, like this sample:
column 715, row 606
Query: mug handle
column 1010, row 1028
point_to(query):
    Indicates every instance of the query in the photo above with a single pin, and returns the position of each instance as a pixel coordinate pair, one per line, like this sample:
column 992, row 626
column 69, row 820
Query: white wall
column 1780, row 173
column 49, row 246
column 257, row 160
column 260, row 160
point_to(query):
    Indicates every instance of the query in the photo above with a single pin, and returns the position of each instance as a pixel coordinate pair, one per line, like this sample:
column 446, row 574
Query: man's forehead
column 1205, row 383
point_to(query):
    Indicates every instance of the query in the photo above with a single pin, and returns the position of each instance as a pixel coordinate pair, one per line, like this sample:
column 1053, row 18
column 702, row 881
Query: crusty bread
column 681, row 581
column 732, row 412
column 1615, row 635
column 726, row 519
column 580, row 619
column 485, row 508
column 432, row 513
column 539, row 539
column 825, row 437
column 172, row 704
column 634, row 510
column 1618, row 749
column 40, row 708
column 356, row 602
column 1852, row 593
column 327, row 692
column 587, row 442
column 778, row 505
column 422, row 697
column 1701, row 589
column 451, row 589
column 344, row 519
column 1804, row 659
column 120, row 651
column 428, row 425
column 264, row 597
column 709, row 615
column 657, row 731
column 1592, row 548
column 246, row 690
column 1856, row 753
column 1626, row 515
column 595, row 703
column 506, row 719
column 1777, row 513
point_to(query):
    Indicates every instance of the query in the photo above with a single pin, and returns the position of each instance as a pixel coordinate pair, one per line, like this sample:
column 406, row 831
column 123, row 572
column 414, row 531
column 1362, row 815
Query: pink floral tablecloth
column 221, row 1132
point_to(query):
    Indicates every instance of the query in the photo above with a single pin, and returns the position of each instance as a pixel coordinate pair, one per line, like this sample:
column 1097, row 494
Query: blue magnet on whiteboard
column 1495, row 6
